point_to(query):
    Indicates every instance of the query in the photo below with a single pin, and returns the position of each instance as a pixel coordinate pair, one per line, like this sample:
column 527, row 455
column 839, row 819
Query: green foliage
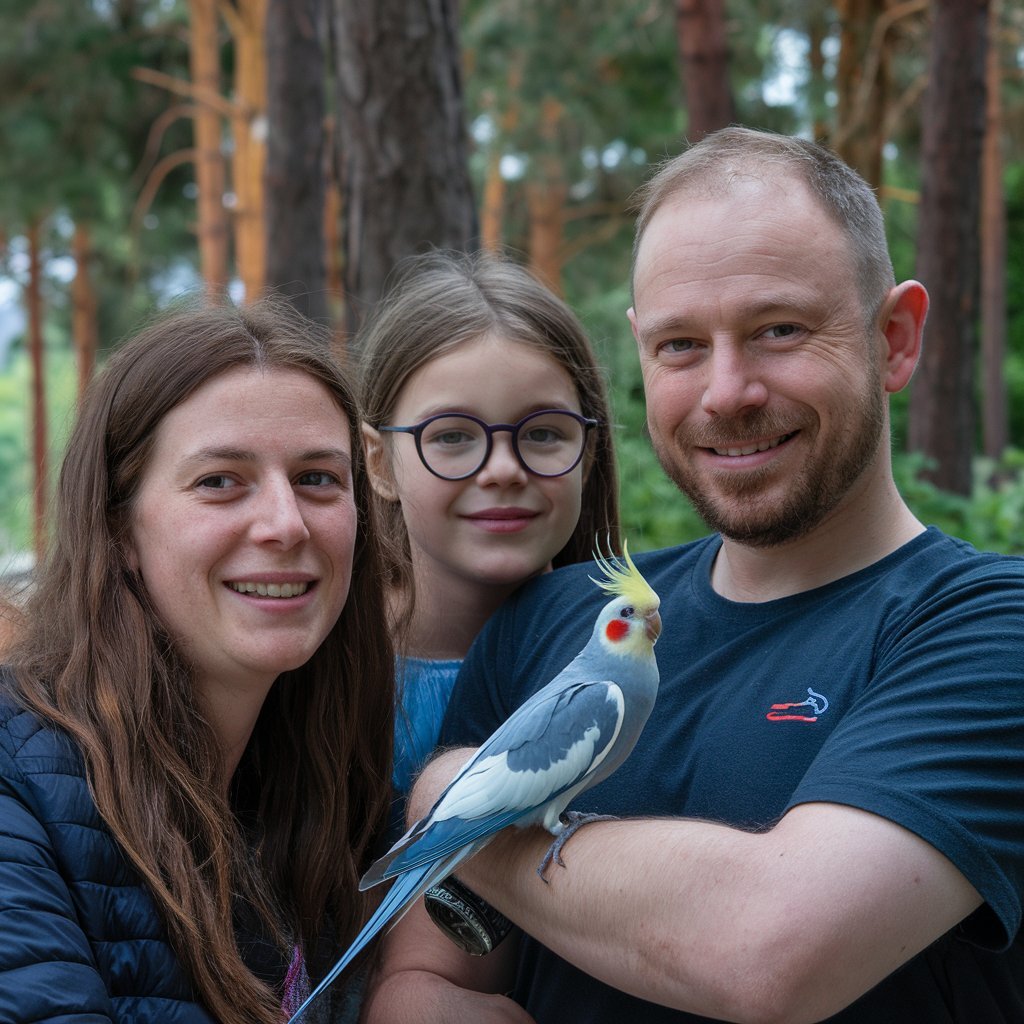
column 74, row 130
column 991, row 517
column 15, row 429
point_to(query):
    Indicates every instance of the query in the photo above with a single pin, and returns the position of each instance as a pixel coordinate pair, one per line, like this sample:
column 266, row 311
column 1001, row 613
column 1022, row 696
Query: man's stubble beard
column 816, row 491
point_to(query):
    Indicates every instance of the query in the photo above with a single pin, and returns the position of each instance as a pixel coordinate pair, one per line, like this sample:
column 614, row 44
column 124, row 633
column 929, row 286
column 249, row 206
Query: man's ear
column 631, row 316
column 901, row 322
column 378, row 464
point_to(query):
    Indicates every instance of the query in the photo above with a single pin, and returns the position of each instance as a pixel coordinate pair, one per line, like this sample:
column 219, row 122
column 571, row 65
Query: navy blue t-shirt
column 898, row 689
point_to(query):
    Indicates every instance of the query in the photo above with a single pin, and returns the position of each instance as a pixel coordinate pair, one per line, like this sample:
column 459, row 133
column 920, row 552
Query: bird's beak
column 652, row 625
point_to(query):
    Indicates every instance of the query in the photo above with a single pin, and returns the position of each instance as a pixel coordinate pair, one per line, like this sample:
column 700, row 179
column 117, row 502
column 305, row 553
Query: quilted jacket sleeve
column 47, row 971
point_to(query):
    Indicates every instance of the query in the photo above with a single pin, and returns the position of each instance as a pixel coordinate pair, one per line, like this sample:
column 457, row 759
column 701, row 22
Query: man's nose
column 733, row 383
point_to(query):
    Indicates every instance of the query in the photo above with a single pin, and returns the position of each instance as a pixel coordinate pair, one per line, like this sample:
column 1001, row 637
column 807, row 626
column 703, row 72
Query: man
column 823, row 817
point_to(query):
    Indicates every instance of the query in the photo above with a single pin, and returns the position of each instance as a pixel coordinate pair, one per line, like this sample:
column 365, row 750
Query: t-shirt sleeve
column 936, row 741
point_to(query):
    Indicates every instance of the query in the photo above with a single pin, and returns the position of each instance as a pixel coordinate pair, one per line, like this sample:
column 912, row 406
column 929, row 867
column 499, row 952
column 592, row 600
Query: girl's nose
column 502, row 466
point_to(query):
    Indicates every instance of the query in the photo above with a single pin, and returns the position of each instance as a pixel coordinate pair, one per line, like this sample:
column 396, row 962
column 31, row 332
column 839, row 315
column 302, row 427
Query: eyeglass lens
column 549, row 443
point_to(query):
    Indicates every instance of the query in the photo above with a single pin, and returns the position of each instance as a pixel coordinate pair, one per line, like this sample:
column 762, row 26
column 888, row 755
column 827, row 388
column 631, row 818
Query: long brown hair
column 440, row 300
column 95, row 660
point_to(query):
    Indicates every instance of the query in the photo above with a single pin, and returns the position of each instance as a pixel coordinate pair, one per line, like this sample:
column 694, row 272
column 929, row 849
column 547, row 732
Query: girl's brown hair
column 94, row 659
column 439, row 300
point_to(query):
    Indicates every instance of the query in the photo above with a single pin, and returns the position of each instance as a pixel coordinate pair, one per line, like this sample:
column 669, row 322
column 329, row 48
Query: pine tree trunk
column 249, row 128
column 84, row 308
column 942, row 419
column 492, row 208
column 862, row 82
column 401, row 139
column 817, row 86
column 546, row 196
column 995, row 415
column 704, row 56
column 212, row 221
column 545, row 202
column 34, row 303
column 295, row 187
column 332, row 251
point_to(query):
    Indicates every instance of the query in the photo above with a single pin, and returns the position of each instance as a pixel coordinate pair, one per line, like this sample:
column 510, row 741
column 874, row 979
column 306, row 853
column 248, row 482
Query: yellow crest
column 623, row 579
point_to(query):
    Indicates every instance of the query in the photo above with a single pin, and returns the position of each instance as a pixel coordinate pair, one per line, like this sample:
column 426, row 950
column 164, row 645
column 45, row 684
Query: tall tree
column 84, row 307
column 995, row 415
column 401, row 138
column 704, row 56
column 862, row 80
column 212, row 221
column 503, row 107
column 546, row 195
column 942, row 419
column 247, row 20
column 295, row 185
column 34, row 307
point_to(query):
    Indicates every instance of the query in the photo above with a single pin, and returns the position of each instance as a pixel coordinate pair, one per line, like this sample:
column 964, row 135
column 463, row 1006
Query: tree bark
column 34, row 304
column 704, row 56
column 295, row 187
column 401, row 139
column 212, row 221
column 546, row 195
column 84, row 308
column 862, row 82
column 942, row 419
column 817, row 86
column 247, row 22
column 995, row 414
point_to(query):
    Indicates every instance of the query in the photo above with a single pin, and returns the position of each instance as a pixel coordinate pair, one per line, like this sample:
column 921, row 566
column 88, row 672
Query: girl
column 196, row 720
column 488, row 437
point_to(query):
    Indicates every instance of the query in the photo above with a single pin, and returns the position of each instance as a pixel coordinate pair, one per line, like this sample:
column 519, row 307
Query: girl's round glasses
column 454, row 446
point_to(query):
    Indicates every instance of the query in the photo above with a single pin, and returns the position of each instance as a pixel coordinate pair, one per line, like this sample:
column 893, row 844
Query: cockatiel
column 566, row 738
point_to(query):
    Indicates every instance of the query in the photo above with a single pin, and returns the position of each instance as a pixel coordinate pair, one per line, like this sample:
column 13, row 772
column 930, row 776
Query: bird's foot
column 571, row 821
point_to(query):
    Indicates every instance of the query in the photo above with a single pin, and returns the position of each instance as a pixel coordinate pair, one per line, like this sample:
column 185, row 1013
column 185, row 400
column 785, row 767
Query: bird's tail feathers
column 393, row 908
column 442, row 840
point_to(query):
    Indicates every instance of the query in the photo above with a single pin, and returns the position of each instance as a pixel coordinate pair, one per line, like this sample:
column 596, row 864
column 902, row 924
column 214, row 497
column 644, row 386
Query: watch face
column 472, row 924
column 465, row 933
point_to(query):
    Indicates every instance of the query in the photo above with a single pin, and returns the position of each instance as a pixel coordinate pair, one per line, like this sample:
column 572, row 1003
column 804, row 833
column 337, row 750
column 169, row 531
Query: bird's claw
column 571, row 822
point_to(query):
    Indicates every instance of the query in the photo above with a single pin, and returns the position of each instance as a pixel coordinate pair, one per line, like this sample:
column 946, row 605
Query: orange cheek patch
column 616, row 630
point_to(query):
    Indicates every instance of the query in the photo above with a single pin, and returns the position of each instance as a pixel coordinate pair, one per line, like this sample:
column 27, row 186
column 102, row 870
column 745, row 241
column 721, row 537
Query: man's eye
column 782, row 330
column 678, row 345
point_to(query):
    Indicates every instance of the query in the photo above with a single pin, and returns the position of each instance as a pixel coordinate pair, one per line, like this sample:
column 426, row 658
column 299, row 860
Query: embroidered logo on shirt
column 800, row 711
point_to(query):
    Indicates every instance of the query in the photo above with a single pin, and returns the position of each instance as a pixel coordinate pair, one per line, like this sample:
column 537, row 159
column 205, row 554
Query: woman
column 195, row 725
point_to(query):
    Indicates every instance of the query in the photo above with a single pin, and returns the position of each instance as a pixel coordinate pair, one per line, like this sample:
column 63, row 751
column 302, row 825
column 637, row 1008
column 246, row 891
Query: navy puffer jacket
column 80, row 938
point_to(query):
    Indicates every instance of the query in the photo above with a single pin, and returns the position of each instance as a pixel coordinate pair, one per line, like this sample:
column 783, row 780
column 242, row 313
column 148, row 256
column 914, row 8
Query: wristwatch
column 470, row 922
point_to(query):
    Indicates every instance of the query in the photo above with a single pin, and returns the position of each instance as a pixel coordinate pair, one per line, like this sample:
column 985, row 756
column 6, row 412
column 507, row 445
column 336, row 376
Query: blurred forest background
column 154, row 148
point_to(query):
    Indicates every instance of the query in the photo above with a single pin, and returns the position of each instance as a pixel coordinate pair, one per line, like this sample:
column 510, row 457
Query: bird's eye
column 627, row 612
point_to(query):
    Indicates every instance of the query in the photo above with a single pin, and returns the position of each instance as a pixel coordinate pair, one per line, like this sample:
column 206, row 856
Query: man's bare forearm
column 692, row 914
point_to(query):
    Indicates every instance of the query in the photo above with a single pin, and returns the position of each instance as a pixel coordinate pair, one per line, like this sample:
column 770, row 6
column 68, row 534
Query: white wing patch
column 488, row 786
